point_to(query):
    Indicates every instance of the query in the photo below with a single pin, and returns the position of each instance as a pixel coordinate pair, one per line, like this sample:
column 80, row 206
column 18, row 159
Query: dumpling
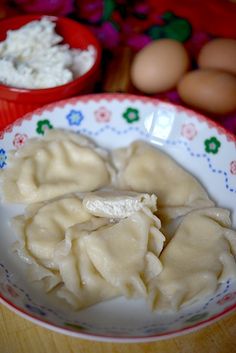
column 100, row 259
column 144, row 168
column 58, row 240
column 82, row 285
column 59, row 163
column 200, row 255
column 126, row 253
column 118, row 203
column 41, row 228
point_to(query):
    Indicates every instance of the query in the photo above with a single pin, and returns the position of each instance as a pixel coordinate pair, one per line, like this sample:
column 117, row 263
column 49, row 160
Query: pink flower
column 19, row 140
column 233, row 167
column 227, row 298
column 188, row 131
column 102, row 115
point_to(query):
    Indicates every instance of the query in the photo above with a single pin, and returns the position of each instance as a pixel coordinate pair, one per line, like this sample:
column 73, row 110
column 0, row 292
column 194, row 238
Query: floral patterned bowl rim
column 199, row 144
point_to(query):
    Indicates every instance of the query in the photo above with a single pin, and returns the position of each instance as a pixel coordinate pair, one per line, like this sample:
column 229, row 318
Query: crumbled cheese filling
column 32, row 57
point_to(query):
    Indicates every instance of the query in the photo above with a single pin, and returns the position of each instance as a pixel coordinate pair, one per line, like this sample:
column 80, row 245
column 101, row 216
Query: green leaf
column 108, row 8
column 179, row 29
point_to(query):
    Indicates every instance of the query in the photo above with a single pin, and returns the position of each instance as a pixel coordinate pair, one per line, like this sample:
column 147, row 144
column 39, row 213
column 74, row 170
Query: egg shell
column 212, row 91
column 159, row 66
column 219, row 54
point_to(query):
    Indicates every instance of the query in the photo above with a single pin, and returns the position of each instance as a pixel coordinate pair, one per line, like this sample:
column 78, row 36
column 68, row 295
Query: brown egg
column 212, row 91
column 159, row 66
column 219, row 54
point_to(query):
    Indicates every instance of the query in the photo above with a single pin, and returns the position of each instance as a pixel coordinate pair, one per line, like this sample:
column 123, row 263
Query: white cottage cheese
column 31, row 57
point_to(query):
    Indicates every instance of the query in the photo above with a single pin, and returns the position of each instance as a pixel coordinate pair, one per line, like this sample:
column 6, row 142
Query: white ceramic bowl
column 114, row 120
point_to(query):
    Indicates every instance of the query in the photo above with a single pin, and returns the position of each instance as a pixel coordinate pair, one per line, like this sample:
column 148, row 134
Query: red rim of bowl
column 80, row 79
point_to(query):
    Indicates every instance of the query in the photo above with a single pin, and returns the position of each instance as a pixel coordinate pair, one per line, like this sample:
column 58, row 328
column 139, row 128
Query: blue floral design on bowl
column 75, row 117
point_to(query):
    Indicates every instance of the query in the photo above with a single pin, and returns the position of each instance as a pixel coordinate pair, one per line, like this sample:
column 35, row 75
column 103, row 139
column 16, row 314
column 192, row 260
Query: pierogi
column 92, row 258
column 97, row 223
column 99, row 259
column 143, row 168
column 59, row 163
column 40, row 229
column 200, row 255
column 82, row 284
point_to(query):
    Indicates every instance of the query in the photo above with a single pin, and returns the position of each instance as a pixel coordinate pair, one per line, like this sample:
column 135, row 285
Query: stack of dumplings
column 97, row 225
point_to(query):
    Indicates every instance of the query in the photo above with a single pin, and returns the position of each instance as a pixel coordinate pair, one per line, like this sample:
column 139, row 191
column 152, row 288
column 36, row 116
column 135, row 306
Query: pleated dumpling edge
column 143, row 168
column 58, row 163
column 200, row 256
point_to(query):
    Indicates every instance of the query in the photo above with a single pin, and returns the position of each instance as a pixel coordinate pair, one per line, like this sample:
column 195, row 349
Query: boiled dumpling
column 58, row 238
column 41, row 228
column 118, row 203
column 83, row 284
column 59, row 163
column 144, row 168
column 94, row 244
column 99, row 259
column 200, row 255
column 126, row 253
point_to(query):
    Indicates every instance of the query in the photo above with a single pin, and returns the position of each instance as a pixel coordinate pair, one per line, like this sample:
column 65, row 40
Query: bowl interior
column 108, row 120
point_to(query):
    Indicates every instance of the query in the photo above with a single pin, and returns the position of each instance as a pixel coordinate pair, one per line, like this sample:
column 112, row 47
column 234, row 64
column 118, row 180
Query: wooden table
column 18, row 335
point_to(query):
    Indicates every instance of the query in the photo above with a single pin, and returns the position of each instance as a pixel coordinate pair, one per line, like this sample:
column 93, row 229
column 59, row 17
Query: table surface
column 18, row 335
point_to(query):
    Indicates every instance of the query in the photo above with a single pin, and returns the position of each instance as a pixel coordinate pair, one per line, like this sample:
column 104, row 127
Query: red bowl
column 15, row 102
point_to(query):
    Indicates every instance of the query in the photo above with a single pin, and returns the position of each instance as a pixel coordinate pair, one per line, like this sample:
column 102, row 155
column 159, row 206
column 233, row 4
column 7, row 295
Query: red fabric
column 217, row 17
